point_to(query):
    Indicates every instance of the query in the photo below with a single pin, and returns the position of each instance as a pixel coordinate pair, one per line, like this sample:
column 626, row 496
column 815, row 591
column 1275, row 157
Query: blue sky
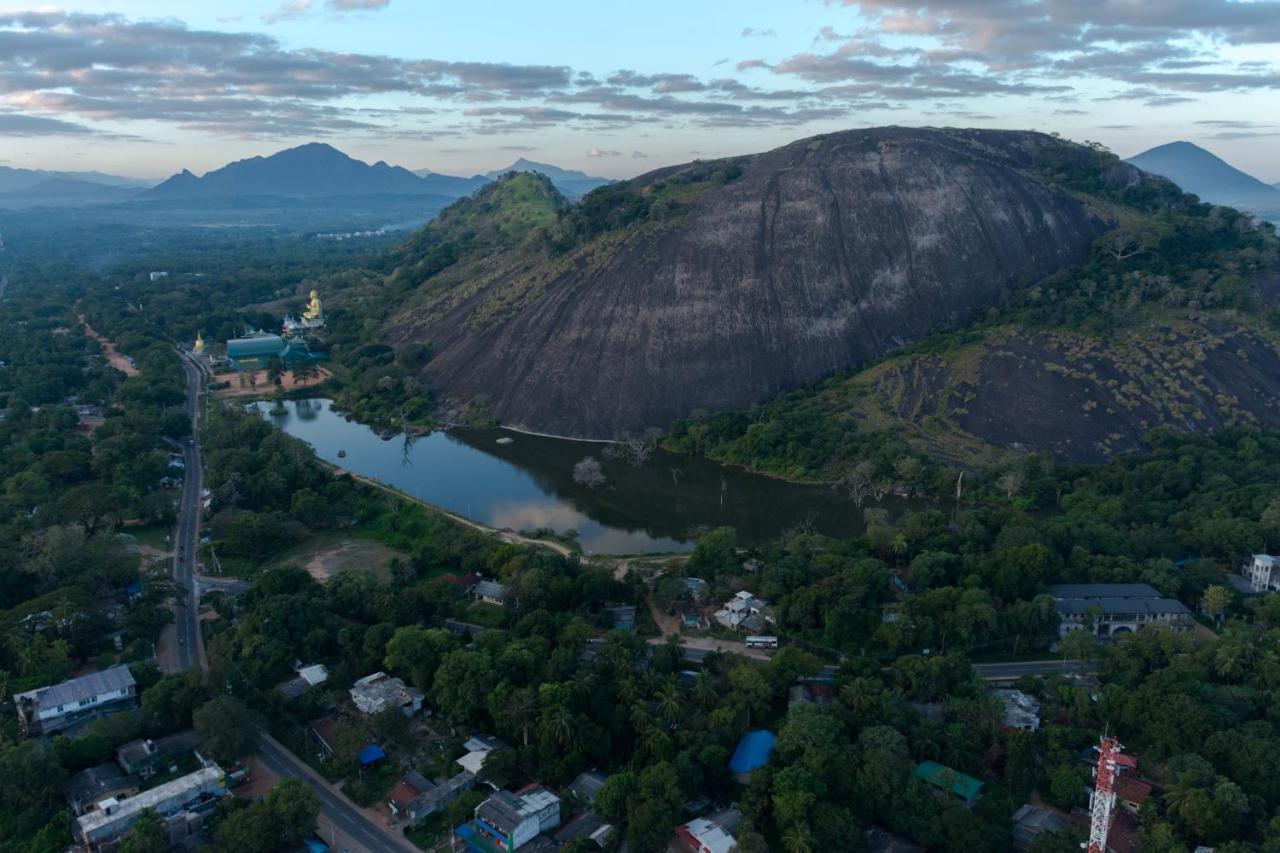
column 147, row 88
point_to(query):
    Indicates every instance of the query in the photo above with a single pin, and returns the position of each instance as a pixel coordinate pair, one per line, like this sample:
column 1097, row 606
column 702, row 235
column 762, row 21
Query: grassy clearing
column 327, row 554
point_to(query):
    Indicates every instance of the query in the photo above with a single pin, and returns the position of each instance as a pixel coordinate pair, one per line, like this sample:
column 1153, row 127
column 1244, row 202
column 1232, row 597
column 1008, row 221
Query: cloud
column 294, row 9
column 21, row 124
column 638, row 155
column 603, row 152
column 290, row 11
column 752, row 32
column 912, row 49
column 110, row 68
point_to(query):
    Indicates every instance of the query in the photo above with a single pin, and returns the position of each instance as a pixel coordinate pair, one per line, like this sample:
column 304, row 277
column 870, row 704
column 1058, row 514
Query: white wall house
column 52, row 709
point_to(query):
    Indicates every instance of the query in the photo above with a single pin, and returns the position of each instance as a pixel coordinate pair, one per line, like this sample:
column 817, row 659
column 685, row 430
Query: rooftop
column 82, row 687
column 940, row 776
column 752, row 752
column 206, row 779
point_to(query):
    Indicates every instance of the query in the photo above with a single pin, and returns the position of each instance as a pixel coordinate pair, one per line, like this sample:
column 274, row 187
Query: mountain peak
column 1200, row 171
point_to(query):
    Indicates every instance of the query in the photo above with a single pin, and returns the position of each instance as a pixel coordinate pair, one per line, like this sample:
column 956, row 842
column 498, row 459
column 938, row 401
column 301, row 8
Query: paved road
column 336, row 808
column 1014, row 671
column 190, row 650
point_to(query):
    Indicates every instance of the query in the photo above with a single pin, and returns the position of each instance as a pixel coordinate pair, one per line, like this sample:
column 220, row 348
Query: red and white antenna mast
column 1110, row 760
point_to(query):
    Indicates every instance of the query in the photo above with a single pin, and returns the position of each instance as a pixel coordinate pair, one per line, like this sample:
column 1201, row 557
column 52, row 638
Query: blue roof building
column 371, row 754
column 752, row 752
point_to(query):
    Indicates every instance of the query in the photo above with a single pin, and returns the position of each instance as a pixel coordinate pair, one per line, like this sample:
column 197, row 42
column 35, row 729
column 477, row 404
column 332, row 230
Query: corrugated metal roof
column 84, row 687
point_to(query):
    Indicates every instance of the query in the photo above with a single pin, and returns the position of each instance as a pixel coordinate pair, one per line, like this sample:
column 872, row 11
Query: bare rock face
column 820, row 256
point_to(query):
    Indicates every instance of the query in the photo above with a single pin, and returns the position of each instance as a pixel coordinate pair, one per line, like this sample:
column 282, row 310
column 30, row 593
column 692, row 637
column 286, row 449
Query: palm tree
column 670, row 705
column 899, row 547
column 798, row 839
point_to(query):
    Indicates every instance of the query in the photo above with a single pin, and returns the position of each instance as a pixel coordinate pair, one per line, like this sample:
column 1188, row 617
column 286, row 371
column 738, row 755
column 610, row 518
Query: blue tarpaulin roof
column 315, row 845
column 371, row 753
column 752, row 752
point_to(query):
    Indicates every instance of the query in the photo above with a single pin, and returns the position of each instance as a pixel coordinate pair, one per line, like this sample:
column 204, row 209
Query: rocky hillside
column 720, row 285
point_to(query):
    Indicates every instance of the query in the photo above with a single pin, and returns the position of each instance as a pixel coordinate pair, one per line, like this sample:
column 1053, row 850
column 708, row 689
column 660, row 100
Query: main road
column 336, row 808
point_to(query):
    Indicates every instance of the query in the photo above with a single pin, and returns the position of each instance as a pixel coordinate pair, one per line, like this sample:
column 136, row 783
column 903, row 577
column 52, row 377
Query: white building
column 745, row 612
column 375, row 693
column 1262, row 575
column 195, row 793
column 52, row 709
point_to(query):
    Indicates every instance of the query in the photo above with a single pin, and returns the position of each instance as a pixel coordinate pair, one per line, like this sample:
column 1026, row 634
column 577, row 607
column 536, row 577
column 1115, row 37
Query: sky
column 148, row 88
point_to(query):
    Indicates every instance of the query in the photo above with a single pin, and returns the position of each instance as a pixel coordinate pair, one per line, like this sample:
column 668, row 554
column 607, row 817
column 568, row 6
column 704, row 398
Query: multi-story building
column 1262, row 574
column 52, row 709
column 507, row 821
column 1114, row 609
column 745, row 612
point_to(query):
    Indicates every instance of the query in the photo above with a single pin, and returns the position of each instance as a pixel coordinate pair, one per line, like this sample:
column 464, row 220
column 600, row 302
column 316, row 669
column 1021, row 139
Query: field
column 329, row 553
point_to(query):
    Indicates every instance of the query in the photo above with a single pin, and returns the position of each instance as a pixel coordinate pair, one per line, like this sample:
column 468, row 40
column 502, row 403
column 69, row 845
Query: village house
column 1115, row 609
column 146, row 757
column 962, row 786
column 93, row 785
column 478, row 748
column 53, row 709
column 416, row 797
column 711, row 834
column 744, row 612
column 509, row 820
column 306, row 678
column 378, row 692
column 490, row 592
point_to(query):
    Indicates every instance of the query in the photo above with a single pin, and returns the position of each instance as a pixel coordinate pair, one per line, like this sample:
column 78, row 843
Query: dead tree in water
column 589, row 473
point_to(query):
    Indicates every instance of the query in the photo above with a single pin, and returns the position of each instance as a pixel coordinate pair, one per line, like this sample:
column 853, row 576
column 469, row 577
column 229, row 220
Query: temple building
column 257, row 349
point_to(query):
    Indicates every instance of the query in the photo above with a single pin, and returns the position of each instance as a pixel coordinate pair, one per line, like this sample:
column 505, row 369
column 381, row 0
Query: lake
column 527, row 484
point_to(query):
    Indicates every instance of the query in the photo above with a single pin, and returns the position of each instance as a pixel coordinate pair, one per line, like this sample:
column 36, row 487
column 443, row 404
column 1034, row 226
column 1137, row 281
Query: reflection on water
column 527, row 484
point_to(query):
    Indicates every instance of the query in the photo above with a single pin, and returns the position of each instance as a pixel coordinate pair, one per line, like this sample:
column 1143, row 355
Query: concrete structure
column 1115, row 608
column 376, row 693
column 52, row 709
column 196, row 792
column 745, row 612
column 89, row 787
column 1262, row 574
column 507, row 821
column 1020, row 710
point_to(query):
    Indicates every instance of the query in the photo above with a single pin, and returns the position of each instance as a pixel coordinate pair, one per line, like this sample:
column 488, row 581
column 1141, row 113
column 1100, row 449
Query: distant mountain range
column 1198, row 171
column 308, row 171
column 570, row 182
column 317, row 170
column 12, row 179
column 307, row 174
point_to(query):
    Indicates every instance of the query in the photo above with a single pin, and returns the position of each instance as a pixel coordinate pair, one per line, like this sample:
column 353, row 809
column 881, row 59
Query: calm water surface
column 527, row 484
